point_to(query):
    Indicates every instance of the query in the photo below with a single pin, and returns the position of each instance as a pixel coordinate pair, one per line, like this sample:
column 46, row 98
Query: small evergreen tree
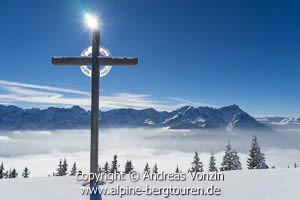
column 256, row 158
column 73, row 170
column 60, row 169
column 226, row 164
column 128, row 167
column 13, row 173
column 2, row 173
column 26, row 173
column 147, row 168
column 295, row 165
column 231, row 160
column 177, row 170
column 155, row 169
column 212, row 163
column 114, row 165
column 197, row 165
column 236, row 164
column 65, row 167
column 106, row 168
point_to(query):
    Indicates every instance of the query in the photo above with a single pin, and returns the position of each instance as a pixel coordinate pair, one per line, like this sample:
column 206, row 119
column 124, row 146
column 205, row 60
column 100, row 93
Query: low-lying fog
column 41, row 150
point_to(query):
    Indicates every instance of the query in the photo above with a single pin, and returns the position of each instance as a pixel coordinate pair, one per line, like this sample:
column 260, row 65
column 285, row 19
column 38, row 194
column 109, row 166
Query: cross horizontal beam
column 88, row 61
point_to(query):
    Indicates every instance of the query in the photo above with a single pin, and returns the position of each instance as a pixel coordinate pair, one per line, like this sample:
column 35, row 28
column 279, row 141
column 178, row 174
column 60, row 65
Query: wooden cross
column 95, row 61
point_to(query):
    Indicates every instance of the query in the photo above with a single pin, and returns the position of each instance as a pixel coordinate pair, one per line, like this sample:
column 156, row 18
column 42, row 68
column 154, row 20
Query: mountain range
column 188, row 117
column 281, row 123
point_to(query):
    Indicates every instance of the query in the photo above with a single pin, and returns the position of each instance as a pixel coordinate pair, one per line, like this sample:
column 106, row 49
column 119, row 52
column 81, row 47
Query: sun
column 91, row 21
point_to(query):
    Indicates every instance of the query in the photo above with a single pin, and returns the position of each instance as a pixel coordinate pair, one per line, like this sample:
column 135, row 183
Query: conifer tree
column 295, row 165
column 106, row 168
column 2, row 173
column 155, row 169
column 26, row 173
column 65, row 167
column 128, row 167
column 114, row 165
column 212, row 163
column 231, row 160
column 13, row 173
column 236, row 164
column 256, row 158
column 73, row 170
column 177, row 170
column 147, row 168
column 226, row 164
column 60, row 169
column 197, row 165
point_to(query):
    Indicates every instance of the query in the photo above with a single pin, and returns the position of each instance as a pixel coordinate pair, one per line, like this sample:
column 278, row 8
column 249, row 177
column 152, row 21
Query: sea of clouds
column 41, row 150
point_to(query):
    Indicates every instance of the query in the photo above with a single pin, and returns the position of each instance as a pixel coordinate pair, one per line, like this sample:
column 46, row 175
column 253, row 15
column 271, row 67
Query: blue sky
column 190, row 52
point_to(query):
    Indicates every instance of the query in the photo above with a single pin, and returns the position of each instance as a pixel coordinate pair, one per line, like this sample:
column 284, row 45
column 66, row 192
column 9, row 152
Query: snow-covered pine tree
column 147, row 168
column 73, row 170
column 197, row 165
column 13, row 173
column 65, row 167
column 226, row 164
column 155, row 169
column 177, row 170
column 2, row 173
column 60, row 169
column 106, row 169
column 231, row 160
column 128, row 167
column 114, row 165
column 236, row 164
column 26, row 173
column 256, row 158
column 212, row 163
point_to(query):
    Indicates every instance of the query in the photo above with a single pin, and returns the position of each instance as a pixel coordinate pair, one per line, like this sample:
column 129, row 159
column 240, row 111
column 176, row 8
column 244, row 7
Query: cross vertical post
column 95, row 104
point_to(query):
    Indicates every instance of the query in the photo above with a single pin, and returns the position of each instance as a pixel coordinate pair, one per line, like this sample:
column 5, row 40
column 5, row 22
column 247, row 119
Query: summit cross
column 95, row 73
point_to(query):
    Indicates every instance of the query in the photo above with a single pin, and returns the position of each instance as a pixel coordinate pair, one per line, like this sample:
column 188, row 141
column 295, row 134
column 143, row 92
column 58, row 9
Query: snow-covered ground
column 270, row 184
column 40, row 152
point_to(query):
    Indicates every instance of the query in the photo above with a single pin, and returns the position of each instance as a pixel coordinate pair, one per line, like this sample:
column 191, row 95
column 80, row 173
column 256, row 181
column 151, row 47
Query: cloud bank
column 31, row 95
column 41, row 150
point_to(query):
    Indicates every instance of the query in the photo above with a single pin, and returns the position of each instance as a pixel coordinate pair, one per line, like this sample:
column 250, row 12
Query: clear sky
column 190, row 52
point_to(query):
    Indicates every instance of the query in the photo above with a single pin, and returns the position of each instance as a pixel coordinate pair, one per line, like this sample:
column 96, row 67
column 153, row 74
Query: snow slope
column 275, row 184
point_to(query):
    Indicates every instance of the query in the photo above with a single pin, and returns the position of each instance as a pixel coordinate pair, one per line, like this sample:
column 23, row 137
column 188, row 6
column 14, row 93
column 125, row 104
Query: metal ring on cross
column 103, row 69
